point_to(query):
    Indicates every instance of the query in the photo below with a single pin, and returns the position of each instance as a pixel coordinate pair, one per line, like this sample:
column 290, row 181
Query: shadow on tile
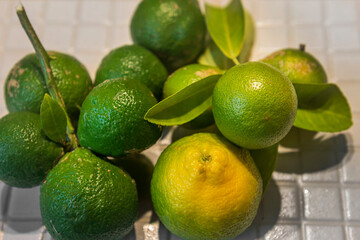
column 267, row 217
column 313, row 151
column 4, row 200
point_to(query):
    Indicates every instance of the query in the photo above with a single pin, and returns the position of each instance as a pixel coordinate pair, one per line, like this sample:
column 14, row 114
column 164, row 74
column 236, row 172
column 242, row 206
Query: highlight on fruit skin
column 206, row 188
column 298, row 65
column 26, row 154
column 254, row 105
column 85, row 197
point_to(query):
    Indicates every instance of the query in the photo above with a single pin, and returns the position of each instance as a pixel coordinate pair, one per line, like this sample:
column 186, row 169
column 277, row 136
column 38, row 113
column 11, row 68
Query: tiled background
column 315, row 190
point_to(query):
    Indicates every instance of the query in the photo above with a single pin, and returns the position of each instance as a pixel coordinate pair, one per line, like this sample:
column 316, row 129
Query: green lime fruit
column 112, row 121
column 254, row 105
column 87, row 198
column 140, row 169
column 26, row 154
column 299, row 66
column 25, row 85
column 136, row 62
column 182, row 78
column 172, row 29
column 206, row 188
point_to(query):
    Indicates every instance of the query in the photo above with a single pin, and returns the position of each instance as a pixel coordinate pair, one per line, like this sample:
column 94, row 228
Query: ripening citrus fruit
column 172, row 29
column 185, row 76
column 26, row 154
column 254, row 105
column 299, row 66
column 85, row 197
column 133, row 61
column 206, row 188
column 25, row 85
column 112, row 121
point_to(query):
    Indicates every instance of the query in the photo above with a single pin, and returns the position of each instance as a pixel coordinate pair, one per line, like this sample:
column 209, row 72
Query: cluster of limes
column 205, row 186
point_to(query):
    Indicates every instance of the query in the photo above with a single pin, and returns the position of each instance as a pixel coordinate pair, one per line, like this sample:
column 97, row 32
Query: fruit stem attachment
column 235, row 61
column 46, row 69
column 302, row 47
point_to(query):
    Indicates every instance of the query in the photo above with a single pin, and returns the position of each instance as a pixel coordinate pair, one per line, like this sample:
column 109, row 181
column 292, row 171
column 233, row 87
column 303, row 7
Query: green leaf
column 53, row 120
column 322, row 107
column 214, row 57
column 227, row 27
column 185, row 105
column 265, row 159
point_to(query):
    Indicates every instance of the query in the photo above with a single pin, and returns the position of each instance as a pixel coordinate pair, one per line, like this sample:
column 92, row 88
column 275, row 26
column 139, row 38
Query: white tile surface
column 352, row 208
column 324, row 232
column 317, row 181
column 322, row 203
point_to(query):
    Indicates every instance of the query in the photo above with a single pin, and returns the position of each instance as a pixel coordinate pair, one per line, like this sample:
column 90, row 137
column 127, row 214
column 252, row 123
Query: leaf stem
column 46, row 69
column 235, row 61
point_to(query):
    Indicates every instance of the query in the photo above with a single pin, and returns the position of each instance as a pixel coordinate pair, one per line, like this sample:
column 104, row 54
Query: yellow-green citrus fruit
column 87, row 198
column 299, row 66
column 182, row 78
column 112, row 121
column 26, row 154
column 25, row 85
column 206, row 188
column 254, row 105
column 136, row 62
column 172, row 29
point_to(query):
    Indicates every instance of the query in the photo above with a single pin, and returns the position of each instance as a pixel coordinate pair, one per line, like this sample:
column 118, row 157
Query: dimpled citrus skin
column 87, row 198
column 26, row 154
column 112, row 121
column 299, row 66
column 182, row 78
column 204, row 188
column 133, row 61
column 254, row 105
column 172, row 29
column 25, row 85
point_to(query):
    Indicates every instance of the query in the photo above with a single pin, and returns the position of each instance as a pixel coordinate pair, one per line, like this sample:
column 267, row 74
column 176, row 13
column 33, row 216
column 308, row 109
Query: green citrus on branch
column 85, row 197
column 204, row 188
column 26, row 154
column 185, row 76
column 254, row 105
column 112, row 121
column 25, row 85
column 299, row 66
column 133, row 61
column 172, row 29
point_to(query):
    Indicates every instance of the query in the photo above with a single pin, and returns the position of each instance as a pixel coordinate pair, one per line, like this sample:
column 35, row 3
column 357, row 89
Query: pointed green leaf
column 185, row 105
column 265, row 159
column 53, row 120
column 227, row 27
column 322, row 107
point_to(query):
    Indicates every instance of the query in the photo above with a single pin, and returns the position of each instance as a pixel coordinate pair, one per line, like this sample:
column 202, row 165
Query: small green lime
column 25, row 85
column 182, row 78
column 26, row 154
column 112, row 121
column 87, row 198
column 299, row 66
column 172, row 29
column 136, row 62
column 254, row 105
